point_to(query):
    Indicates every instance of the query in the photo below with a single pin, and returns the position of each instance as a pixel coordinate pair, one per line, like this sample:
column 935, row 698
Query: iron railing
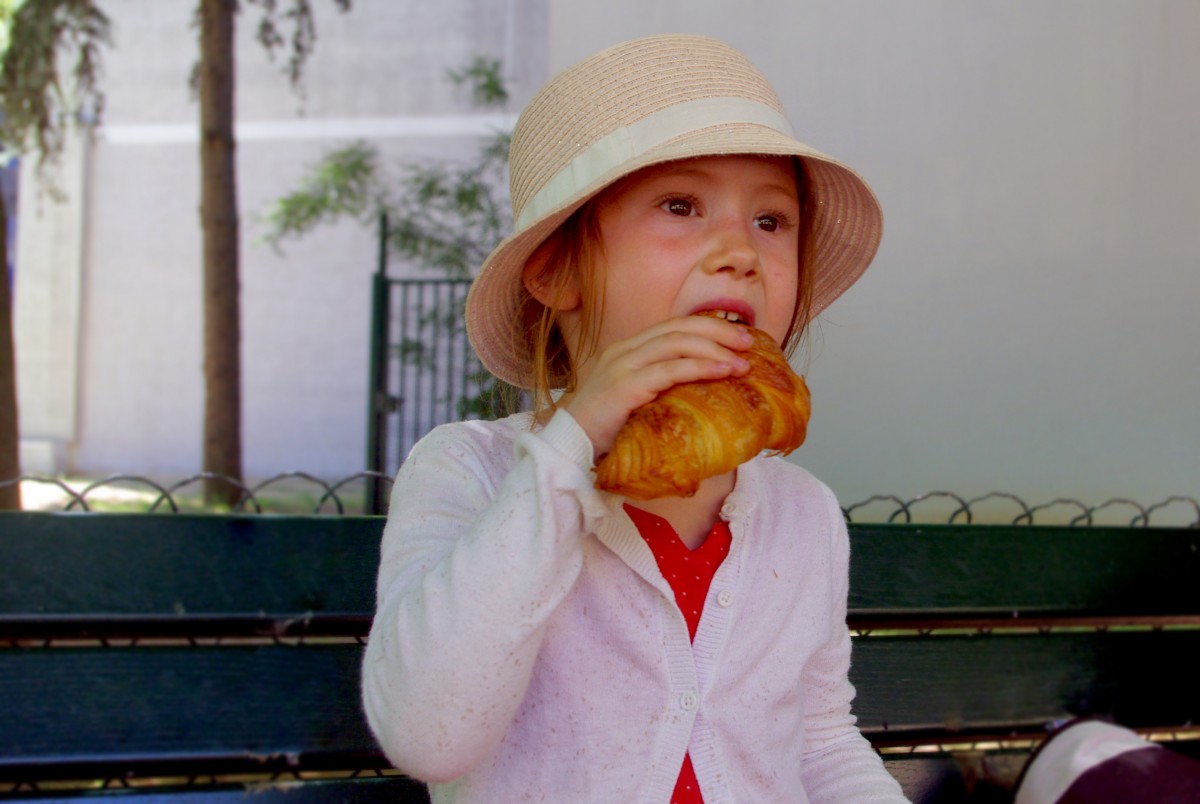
column 346, row 496
column 429, row 370
column 287, row 492
column 423, row 370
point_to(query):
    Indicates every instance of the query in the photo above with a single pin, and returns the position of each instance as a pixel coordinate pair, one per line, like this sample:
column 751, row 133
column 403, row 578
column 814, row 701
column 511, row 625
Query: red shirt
column 690, row 573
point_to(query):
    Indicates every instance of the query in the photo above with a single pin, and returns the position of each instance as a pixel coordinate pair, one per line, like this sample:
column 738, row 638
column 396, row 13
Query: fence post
column 378, row 400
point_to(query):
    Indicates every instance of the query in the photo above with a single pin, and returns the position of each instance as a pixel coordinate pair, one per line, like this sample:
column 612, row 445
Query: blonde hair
column 575, row 249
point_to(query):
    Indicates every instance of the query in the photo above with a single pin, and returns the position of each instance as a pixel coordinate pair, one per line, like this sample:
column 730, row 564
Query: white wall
column 1029, row 324
column 51, row 224
column 378, row 73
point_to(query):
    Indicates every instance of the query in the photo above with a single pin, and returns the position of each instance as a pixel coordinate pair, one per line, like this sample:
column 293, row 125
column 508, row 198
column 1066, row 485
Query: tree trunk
column 10, row 444
column 219, row 220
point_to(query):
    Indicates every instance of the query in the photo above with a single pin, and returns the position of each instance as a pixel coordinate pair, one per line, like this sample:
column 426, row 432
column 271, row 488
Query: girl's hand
column 630, row 373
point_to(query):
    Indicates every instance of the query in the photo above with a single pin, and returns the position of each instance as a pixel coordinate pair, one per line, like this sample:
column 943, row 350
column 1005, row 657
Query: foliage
column 36, row 106
column 270, row 33
column 482, row 75
column 449, row 217
column 444, row 217
column 213, row 80
column 304, row 32
column 36, row 99
column 440, row 216
column 343, row 184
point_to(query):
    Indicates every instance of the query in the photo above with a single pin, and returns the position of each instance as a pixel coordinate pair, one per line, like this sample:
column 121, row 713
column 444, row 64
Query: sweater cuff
column 564, row 434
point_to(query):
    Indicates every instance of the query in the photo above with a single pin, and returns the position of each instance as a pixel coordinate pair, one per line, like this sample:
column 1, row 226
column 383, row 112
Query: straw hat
column 636, row 104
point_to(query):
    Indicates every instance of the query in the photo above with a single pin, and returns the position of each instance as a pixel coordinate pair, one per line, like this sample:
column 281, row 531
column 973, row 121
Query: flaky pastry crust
column 702, row 429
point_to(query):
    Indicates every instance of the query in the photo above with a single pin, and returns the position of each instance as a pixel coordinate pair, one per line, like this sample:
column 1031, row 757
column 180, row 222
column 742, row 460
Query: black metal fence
column 423, row 370
column 285, row 493
column 281, row 494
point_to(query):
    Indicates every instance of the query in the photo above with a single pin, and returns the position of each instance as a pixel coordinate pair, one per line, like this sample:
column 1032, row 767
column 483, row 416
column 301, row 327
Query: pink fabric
column 690, row 573
column 526, row 646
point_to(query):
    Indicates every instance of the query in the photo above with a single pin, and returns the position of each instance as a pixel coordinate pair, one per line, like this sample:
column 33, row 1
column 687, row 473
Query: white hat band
column 619, row 146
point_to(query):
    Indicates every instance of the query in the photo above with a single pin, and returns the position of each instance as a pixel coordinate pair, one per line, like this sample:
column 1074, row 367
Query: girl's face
column 715, row 233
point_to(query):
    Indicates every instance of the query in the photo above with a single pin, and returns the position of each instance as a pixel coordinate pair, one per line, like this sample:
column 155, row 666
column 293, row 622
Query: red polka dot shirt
column 690, row 573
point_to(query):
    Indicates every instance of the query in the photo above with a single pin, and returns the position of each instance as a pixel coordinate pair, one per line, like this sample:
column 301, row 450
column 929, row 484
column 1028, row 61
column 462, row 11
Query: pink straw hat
column 640, row 103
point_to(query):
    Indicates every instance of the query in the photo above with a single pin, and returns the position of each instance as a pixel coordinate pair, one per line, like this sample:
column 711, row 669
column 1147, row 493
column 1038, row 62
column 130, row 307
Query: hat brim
column 846, row 231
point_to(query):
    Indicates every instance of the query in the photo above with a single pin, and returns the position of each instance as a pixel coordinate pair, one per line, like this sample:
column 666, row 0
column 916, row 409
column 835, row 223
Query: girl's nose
column 732, row 250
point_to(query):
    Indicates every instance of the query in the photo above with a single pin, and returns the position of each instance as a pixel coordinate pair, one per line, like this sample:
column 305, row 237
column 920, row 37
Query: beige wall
column 1030, row 322
column 49, row 250
column 111, row 378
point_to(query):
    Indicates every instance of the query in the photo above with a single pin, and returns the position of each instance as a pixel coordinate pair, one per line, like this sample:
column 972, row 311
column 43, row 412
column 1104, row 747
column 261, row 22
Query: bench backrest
column 178, row 646
column 147, row 646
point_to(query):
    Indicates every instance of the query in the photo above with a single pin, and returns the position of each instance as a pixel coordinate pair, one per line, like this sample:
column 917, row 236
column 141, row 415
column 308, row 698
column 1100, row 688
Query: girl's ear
column 557, row 290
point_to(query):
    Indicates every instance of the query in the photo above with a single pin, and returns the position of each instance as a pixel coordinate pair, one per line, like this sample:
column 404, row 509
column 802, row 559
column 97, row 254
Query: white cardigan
column 526, row 647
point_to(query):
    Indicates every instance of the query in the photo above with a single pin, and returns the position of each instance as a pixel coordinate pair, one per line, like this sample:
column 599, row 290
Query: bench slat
column 944, row 571
column 393, row 790
column 263, row 704
column 174, row 566
column 86, row 712
column 302, row 569
column 932, row 688
column 254, row 707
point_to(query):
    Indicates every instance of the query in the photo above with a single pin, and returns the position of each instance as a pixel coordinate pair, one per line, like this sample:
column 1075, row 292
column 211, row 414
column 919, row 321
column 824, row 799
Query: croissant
column 702, row 429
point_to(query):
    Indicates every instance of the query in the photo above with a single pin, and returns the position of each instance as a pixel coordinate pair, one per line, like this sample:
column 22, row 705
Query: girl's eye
column 679, row 206
column 771, row 222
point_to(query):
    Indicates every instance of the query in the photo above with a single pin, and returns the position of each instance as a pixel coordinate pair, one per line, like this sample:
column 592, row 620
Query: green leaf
column 482, row 77
column 344, row 183
column 37, row 101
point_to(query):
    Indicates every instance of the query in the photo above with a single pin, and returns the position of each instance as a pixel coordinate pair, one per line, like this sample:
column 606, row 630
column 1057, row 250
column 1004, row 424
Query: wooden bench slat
column 260, row 707
column 960, row 570
column 89, row 711
column 392, row 790
column 264, row 703
column 930, row 688
column 123, row 628
column 181, row 565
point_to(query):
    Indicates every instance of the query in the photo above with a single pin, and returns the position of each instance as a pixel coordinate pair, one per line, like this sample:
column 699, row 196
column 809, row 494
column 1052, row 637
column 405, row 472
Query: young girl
column 537, row 639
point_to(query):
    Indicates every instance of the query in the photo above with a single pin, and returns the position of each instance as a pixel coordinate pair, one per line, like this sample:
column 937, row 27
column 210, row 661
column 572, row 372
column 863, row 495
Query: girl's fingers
column 631, row 373
column 689, row 333
column 640, row 372
column 661, row 345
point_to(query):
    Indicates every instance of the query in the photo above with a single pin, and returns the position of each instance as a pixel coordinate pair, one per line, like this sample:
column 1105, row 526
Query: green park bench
column 187, row 656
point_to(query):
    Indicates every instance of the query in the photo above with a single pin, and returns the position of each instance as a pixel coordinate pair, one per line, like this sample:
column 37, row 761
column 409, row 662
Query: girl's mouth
column 729, row 315
column 742, row 315
column 733, row 310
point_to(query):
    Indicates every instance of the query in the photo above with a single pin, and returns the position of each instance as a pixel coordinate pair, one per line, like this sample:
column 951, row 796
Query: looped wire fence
column 969, row 511
column 171, row 498
column 293, row 492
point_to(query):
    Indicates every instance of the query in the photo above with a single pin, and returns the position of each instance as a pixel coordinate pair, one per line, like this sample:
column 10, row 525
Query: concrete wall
column 121, row 368
column 1029, row 324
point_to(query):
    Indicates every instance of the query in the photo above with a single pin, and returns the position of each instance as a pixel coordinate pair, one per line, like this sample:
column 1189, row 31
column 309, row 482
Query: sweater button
column 688, row 701
column 725, row 599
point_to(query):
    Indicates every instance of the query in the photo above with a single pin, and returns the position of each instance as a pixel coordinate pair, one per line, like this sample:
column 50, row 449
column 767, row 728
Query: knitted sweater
column 526, row 647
